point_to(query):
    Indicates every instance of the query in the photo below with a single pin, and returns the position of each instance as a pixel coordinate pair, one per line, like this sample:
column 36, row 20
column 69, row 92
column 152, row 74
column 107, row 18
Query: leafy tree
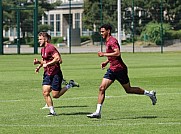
column 44, row 27
column 92, row 13
column 152, row 30
column 26, row 16
column 172, row 10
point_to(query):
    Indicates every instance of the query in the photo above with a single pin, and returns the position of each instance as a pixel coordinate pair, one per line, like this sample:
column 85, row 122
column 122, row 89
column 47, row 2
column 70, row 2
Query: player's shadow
column 137, row 117
column 73, row 113
column 70, row 106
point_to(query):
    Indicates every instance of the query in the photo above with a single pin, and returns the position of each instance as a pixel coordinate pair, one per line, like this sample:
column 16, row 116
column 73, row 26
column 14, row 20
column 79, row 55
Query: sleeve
column 53, row 50
column 115, row 44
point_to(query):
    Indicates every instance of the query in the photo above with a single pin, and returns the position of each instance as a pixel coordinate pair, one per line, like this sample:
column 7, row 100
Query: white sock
column 98, row 110
column 68, row 86
column 148, row 93
column 52, row 109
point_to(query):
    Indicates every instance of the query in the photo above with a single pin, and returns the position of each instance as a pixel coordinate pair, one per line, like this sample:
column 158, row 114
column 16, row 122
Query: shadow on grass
column 75, row 113
column 69, row 106
column 138, row 117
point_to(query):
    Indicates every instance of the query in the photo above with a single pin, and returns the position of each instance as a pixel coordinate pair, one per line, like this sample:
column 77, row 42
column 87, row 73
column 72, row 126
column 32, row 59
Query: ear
column 109, row 31
column 46, row 39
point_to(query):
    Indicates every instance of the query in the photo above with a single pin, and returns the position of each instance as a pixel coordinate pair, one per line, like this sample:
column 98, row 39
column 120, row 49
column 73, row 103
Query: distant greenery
column 145, row 11
column 153, row 32
column 26, row 17
column 172, row 34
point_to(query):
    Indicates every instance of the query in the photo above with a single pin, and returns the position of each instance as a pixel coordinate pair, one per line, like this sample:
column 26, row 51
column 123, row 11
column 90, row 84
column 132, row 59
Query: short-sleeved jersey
column 47, row 52
column 116, row 62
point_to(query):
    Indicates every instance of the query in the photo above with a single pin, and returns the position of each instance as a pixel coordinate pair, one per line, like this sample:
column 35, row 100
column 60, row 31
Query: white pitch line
column 92, row 125
column 92, row 97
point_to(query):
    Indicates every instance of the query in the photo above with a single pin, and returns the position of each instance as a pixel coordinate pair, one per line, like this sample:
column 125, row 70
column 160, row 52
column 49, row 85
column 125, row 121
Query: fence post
column 161, row 32
column 1, row 28
column 133, row 24
column 36, row 27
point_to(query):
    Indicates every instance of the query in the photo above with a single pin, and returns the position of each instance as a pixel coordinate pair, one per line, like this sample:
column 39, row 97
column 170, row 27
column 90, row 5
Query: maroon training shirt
column 47, row 52
column 116, row 62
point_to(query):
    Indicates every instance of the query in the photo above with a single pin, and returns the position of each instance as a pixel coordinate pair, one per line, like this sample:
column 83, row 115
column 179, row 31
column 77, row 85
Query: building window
column 57, row 24
column 12, row 32
column 6, row 33
column 77, row 20
column 52, row 24
column 45, row 19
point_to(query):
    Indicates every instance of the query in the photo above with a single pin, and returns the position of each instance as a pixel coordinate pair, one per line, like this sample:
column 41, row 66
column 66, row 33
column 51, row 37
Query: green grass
column 21, row 97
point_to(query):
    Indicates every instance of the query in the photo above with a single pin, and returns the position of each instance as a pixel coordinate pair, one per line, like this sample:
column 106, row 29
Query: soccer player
column 52, row 77
column 117, row 71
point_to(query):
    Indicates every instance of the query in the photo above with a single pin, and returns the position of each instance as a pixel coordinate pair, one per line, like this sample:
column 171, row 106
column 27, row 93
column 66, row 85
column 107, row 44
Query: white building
column 59, row 19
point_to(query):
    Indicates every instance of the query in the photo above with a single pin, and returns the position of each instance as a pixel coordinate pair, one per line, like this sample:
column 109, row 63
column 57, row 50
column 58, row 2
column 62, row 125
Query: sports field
column 21, row 97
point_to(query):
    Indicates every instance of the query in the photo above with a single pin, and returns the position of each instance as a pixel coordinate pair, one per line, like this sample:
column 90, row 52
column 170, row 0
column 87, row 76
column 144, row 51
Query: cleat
column 64, row 82
column 73, row 84
column 51, row 114
column 153, row 97
column 94, row 115
column 45, row 107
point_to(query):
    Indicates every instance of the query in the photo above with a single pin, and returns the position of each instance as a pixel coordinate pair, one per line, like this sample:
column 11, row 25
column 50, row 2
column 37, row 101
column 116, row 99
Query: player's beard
column 43, row 44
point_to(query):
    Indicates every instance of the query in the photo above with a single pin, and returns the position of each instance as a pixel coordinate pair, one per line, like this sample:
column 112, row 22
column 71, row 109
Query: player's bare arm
column 115, row 53
column 104, row 64
column 56, row 58
column 36, row 61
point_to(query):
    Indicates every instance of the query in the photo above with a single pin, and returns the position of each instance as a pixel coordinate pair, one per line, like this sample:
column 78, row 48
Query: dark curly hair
column 107, row 27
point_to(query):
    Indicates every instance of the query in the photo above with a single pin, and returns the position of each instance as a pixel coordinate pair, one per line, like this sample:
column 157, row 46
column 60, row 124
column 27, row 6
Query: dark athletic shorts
column 54, row 81
column 121, row 76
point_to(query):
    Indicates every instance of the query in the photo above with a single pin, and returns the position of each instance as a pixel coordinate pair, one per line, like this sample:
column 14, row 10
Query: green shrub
column 85, row 38
column 96, row 37
column 30, row 41
column 153, row 31
column 56, row 40
column 22, row 41
column 172, row 34
column 60, row 40
column 6, row 39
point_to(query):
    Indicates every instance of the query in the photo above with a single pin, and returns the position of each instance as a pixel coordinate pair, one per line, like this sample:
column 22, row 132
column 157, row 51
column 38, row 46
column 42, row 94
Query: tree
column 152, row 30
column 92, row 13
column 26, row 16
column 172, row 13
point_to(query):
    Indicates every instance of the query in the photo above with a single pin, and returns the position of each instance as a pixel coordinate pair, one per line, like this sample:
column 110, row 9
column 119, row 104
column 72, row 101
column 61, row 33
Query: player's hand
column 103, row 65
column 37, row 70
column 100, row 54
column 35, row 61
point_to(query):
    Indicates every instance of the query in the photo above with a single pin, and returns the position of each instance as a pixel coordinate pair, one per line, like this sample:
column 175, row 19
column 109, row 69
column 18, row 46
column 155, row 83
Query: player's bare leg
column 48, row 99
column 101, row 96
column 132, row 90
column 138, row 90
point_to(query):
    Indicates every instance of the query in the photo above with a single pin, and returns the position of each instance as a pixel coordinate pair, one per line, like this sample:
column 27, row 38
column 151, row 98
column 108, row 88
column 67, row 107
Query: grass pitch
column 21, row 97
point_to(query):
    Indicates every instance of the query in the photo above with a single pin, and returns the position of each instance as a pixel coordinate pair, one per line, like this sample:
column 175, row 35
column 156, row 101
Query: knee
column 46, row 93
column 102, row 89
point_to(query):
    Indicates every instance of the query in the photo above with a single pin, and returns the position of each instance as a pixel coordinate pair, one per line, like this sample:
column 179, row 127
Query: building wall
column 59, row 17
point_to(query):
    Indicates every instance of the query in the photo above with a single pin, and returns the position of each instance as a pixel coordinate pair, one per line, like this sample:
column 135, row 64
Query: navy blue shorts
column 55, row 81
column 121, row 76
